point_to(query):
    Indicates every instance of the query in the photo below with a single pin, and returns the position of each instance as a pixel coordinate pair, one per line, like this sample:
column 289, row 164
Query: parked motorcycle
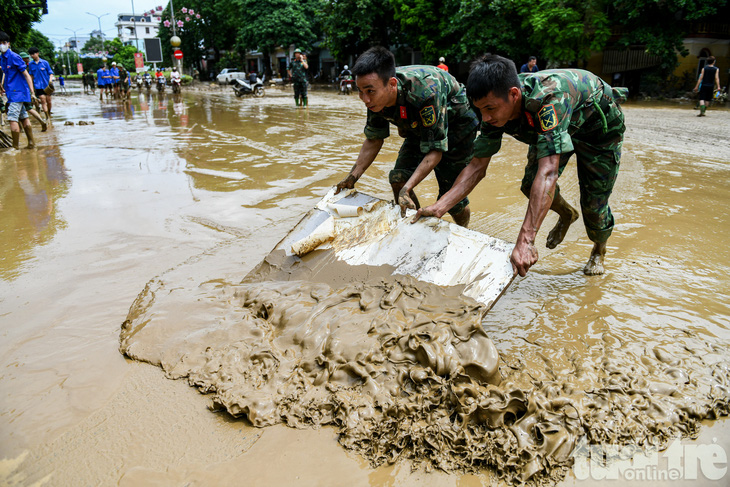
column 251, row 86
column 161, row 84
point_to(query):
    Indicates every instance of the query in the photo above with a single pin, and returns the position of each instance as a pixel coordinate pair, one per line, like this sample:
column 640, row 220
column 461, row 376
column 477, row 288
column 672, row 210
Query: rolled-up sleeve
column 488, row 142
column 376, row 127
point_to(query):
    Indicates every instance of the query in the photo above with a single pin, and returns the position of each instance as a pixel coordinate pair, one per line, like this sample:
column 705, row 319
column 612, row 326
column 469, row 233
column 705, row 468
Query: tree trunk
column 267, row 66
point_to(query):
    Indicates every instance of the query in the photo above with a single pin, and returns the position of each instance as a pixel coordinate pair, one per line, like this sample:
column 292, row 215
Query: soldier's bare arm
column 369, row 150
column 542, row 193
column 468, row 178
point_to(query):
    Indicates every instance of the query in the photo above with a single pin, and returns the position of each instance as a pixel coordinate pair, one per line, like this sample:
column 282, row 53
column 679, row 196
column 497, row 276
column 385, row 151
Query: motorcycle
column 346, row 85
column 251, row 86
column 161, row 84
column 148, row 82
column 138, row 82
column 175, row 82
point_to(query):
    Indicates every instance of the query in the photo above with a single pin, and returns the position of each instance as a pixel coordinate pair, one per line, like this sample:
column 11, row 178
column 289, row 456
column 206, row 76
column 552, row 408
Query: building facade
column 133, row 28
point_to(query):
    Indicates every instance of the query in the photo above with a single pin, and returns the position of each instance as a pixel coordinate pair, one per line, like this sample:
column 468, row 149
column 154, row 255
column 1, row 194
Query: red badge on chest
column 529, row 119
column 403, row 112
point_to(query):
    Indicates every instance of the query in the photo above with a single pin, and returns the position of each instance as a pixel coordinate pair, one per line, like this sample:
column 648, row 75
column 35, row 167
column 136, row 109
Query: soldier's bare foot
column 594, row 266
column 557, row 234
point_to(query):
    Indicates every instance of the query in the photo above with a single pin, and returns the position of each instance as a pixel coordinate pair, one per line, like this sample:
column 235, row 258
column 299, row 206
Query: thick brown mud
column 188, row 194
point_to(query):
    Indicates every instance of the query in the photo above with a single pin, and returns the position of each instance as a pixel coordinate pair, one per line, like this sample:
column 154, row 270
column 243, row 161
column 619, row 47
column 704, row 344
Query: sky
column 71, row 14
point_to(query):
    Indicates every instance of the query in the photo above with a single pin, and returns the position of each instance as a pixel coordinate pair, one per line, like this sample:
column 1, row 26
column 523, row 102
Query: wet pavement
column 205, row 184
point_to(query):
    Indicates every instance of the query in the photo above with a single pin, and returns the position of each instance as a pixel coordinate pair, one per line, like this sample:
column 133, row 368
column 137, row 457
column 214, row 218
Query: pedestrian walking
column 18, row 87
column 298, row 74
column 709, row 78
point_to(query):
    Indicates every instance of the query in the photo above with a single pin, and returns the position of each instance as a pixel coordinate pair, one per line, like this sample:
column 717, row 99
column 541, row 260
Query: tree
column 211, row 26
column 33, row 38
column 662, row 25
column 352, row 26
column 567, row 31
column 16, row 21
column 269, row 24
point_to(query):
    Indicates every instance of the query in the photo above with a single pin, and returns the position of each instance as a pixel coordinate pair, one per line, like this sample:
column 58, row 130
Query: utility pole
column 101, row 32
column 76, row 43
column 134, row 24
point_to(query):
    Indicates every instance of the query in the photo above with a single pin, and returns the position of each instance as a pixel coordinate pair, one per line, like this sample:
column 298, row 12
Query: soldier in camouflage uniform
column 432, row 113
column 559, row 113
column 297, row 72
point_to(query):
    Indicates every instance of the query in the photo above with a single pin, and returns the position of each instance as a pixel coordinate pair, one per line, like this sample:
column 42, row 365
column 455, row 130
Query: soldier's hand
column 405, row 201
column 524, row 256
column 347, row 183
column 427, row 211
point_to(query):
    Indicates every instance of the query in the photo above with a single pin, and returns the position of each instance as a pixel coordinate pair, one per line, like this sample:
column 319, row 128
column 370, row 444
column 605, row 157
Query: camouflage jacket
column 558, row 105
column 431, row 107
column 298, row 73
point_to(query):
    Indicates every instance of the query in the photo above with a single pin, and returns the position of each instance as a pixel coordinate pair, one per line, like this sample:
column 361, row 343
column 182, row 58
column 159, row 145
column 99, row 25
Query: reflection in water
column 30, row 187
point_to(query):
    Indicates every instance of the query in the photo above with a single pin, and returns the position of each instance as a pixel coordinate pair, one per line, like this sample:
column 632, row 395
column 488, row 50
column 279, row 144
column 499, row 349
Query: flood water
column 180, row 189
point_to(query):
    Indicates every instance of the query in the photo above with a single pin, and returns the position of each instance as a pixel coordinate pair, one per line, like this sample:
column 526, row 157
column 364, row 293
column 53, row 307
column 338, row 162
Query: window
column 146, row 30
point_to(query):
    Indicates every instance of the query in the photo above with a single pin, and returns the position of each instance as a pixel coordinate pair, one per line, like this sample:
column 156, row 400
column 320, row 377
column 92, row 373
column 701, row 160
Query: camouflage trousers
column 598, row 157
column 447, row 170
column 300, row 89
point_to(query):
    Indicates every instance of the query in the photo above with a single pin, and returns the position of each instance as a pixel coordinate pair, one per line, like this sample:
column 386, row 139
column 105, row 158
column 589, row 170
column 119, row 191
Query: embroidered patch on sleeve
column 428, row 116
column 548, row 117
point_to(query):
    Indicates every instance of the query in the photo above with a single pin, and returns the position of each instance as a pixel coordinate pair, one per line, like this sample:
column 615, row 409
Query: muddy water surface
column 200, row 187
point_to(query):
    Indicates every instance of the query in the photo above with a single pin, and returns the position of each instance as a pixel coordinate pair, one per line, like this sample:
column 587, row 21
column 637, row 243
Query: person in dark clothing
column 709, row 77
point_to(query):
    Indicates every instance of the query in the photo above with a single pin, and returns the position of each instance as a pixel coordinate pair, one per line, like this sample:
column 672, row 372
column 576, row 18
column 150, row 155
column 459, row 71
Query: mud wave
column 405, row 369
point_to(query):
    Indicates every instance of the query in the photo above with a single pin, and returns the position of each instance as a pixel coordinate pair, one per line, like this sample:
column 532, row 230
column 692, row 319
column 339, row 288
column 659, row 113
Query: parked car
column 227, row 75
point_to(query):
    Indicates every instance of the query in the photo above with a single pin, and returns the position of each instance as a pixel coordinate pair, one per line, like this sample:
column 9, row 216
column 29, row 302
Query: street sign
column 138, row 60
column 80, row 68
column 178, row 54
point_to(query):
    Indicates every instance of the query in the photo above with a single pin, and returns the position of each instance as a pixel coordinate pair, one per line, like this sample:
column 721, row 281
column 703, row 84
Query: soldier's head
column 494, row 88
column 25, row 57
column 374, row 73
column 34, row 53
column 298, row 54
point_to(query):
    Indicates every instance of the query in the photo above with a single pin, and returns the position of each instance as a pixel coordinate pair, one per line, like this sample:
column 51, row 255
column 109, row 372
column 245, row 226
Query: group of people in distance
column 114, row 82
column 558, row 113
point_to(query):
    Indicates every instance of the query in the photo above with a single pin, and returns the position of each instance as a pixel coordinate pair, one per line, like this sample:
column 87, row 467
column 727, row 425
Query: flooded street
column 179, row 190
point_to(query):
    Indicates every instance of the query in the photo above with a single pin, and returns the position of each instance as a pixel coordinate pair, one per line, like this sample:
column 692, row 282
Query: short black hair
column 711, row 60
column 33, row 50
column 532, row 58
column 4, row 37
column 377, row 60
column 491, row 73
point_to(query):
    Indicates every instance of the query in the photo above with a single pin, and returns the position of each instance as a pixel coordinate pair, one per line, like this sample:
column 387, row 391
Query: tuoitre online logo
column 678, row 462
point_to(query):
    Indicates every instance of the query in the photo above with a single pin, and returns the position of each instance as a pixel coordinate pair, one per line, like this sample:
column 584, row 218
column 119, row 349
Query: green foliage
column 268, row 24
column 661, row 24
column 117, row 52
column 33, row 38
column 215, row 29
column 16, row 22
column 566, row 30
column 352, row 26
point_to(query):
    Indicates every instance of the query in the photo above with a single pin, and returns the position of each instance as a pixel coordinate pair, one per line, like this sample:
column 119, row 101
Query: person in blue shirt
column 100, row 82
column 18, row 87
column 530, row 66
column 114, row 72
column 42, row 75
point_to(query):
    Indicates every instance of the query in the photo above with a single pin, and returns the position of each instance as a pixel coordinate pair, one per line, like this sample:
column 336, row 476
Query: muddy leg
column 567, row 214
column 15, row 132
column 462, row 218
column 594, row 266
column 29, row 133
